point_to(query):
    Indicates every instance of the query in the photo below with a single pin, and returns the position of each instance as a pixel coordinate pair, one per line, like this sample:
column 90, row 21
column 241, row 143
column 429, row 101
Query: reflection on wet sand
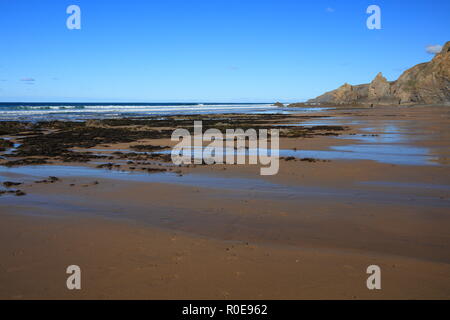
column 382, row 197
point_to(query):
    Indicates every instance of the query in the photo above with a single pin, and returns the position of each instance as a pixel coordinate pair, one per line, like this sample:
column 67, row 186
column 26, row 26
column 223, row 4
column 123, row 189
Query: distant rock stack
column 379, row 88
column 425, row 83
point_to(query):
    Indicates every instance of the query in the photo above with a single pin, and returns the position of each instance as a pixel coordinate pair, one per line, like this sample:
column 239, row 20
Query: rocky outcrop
column 427, row 83
column 379, row 88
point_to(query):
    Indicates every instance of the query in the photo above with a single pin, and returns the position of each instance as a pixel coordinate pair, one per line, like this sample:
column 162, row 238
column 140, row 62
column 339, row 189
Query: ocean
column 82, row 111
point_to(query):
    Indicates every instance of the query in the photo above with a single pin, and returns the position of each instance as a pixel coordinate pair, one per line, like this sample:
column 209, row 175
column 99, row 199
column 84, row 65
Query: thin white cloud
column 433, row 49
column 28, row 79
column 330, row 10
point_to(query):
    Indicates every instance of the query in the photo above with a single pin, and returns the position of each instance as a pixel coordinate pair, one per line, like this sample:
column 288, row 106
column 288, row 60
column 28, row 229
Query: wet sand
column 225, row 232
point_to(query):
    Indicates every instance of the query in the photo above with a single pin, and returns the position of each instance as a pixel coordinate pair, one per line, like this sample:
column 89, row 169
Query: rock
column 278, row 104
column 105, row 165
column 379, row 88
column 20, row 193
column 5, row 144
column 296, row 105
column 345, row 94
column 9, row 184
column 94, row 123
column 425, row 83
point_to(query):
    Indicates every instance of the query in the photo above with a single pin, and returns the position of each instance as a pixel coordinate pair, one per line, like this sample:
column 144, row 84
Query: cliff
column 425, row 83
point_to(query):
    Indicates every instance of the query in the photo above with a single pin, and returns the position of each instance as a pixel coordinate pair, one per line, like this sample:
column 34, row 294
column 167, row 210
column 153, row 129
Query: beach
column 357, row 186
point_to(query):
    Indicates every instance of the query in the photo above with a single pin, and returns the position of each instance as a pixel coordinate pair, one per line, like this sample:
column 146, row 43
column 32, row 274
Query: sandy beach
column 357, row 186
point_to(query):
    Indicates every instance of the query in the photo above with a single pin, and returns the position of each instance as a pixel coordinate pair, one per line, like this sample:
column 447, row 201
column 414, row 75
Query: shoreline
column 327, row 212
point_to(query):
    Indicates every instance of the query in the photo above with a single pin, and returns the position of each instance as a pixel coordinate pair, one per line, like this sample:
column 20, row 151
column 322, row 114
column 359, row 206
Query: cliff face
column 427, row 83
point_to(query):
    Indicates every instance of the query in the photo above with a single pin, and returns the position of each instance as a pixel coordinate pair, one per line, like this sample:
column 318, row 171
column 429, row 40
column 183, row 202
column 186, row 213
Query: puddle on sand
column 414, row 185
column 334, row 121
column 236, row 185
column 12, row 149
column 378, row 138
column 100, row 152
column 388, row 142
column 379, row 153
column 383, row 153
column 200, row 180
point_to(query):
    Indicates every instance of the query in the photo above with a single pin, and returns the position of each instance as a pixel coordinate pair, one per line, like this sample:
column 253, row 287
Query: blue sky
column 208, row 50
